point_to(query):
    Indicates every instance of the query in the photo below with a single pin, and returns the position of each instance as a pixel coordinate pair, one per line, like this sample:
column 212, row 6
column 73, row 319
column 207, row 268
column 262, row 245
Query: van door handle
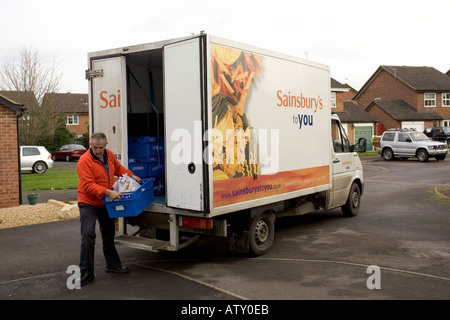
column 336, row 160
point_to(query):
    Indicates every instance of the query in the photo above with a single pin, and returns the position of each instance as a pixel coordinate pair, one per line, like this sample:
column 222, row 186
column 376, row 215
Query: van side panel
column 271, row 127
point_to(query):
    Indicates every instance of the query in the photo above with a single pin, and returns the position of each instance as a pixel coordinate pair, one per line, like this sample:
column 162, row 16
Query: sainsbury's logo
column 110, row 100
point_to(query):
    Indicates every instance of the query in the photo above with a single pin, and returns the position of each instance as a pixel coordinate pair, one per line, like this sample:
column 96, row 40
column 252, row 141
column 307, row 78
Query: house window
column 333, row 99
column 72, row 119
column 446, row 99
column 430, row 99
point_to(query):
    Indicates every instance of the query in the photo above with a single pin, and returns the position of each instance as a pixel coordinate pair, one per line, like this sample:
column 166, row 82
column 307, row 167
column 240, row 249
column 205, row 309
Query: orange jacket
column 93, row 179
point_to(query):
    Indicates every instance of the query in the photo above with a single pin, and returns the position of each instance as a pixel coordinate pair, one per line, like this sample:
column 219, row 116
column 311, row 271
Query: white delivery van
column 231, row 136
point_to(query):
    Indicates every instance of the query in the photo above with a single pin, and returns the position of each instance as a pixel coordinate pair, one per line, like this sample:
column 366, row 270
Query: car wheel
column 39, row 167
column 262, row 231
column 67, row 158
column 388, row 155
column 351, row 207
column 422, row 155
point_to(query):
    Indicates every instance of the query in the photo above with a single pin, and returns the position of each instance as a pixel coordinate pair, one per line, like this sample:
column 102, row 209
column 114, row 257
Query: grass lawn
column 50, row 180
column 368, row 154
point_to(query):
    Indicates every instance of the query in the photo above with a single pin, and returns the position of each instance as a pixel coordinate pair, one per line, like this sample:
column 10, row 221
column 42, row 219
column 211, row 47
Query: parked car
column 403, row 143
column 35, row 158
column 69, row 152
column 438, row 134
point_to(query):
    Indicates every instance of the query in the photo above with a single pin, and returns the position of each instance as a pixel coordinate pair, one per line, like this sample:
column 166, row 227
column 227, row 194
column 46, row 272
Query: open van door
column 184, row 91
column 107, row 93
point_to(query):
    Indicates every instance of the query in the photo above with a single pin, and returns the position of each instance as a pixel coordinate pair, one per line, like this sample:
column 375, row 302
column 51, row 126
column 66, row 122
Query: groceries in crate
column 126, row 184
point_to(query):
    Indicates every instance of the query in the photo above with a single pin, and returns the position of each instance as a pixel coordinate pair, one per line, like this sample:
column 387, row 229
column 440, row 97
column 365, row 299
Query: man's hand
column 136, row 178
column 113, row 195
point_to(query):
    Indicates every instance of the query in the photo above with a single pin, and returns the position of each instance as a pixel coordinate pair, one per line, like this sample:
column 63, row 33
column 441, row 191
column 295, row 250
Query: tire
column 39, row 167
column 68, row 158
column 388, row 155
column 422, row 155
column 440, row 158
column 351, row 207
column 261, row 234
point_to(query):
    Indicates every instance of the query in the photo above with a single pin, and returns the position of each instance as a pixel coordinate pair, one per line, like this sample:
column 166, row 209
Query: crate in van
column 145, row 147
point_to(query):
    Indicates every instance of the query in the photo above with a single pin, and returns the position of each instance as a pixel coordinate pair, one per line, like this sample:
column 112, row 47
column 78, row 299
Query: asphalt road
column 398, row 242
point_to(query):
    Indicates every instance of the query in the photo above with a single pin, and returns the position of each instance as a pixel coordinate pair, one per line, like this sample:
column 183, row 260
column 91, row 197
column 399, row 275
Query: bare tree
column 27, row 76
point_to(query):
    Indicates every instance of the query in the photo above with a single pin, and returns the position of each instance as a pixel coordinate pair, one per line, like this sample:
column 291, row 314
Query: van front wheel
column 351, row 207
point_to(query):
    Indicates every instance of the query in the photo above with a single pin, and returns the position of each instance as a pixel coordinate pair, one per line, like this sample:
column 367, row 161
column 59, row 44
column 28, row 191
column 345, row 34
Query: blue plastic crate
column 139, row 169
column 145, row 147
column 133, row 203
column 158, row 185
column 145, row 159
column 156, row 170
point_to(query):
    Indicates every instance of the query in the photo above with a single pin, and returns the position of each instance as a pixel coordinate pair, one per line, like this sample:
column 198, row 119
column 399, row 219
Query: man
column 96, row 170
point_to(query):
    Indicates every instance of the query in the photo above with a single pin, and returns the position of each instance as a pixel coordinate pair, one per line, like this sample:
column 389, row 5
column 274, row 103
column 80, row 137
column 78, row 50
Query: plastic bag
column 126, row 184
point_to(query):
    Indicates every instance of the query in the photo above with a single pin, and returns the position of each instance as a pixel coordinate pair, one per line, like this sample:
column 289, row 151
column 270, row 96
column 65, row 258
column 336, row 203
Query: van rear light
column 197, row 223
column 49, row 157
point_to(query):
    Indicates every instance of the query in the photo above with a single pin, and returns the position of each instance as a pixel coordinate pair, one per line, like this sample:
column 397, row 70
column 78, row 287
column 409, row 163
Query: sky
column 352, row 37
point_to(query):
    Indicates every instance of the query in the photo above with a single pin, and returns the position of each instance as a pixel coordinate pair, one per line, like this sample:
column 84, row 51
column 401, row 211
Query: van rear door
column 107, row 90
column 184, row 105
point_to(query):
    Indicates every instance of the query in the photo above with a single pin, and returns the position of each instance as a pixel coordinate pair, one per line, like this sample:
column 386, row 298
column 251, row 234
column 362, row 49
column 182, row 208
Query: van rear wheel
column 261, row 234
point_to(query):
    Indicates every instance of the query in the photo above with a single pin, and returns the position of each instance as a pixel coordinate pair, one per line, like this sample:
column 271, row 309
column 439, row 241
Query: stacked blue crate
column 146, row 160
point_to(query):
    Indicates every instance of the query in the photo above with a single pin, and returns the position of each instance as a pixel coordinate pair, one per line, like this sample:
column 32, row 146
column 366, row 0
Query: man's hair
column 98, row 136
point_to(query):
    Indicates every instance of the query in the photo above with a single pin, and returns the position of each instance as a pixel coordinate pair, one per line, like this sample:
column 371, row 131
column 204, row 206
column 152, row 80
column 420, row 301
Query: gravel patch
column 24, row 215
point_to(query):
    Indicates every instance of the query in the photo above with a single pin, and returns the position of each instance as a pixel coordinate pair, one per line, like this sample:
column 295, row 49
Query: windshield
column 419, row 136
column 446, row 130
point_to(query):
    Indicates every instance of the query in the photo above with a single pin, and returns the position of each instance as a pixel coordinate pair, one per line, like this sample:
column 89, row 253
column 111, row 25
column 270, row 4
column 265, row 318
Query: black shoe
column 117, row 270
column 86, row 276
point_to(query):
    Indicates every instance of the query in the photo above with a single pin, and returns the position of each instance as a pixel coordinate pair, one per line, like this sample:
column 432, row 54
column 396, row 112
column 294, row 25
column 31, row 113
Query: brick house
column 406, row 97
column 10, row 188
column 399, row 114
column 357, row 122
column 74, row 107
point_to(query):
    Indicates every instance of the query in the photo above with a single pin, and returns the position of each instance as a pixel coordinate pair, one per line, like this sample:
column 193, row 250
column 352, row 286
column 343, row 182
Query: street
column 395, row 249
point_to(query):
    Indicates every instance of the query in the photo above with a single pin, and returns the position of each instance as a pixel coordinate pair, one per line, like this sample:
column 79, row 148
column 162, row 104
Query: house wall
column 81, row 127
column 387, row 87
column 9, row 166
column 443, row 111
column 350, row 131
column 384, row 118
column 344, row 96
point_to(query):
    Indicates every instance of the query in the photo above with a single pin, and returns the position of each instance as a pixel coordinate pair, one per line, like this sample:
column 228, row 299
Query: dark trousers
column 88, row 216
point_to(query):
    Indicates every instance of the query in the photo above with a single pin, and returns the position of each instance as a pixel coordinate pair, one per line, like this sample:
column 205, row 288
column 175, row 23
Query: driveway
column 402, row 229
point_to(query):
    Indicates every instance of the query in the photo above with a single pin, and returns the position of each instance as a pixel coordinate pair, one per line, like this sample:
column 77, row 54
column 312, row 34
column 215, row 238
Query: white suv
column 404, row 143
column 35, row 158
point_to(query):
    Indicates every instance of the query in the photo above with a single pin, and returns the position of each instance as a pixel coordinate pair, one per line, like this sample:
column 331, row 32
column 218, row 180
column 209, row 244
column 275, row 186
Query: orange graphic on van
column 233, row 73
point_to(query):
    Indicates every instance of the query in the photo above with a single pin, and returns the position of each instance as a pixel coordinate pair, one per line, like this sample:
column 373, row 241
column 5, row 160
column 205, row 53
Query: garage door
column 418, row 125
column 364, row 132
